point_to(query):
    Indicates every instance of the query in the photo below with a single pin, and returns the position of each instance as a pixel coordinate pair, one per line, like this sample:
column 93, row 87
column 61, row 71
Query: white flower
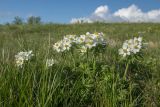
column 50, row 62
column 98, row 38
column 62, row 45
column 95, row 35
column 137, row 45
column 23, row 56
column 101, row 34
column 125, row 45
column 19, row 61
column 66, row 45
column 71, row 38
column 138, row 40
column 88, row 33
column 88, row 41
column 83, row 49
column 124, row 51
column 129, row 42
column 81, row 39
column 57, row 46
column 131, row 46
column 136, row 48
column 28, row 55
column 90, row 44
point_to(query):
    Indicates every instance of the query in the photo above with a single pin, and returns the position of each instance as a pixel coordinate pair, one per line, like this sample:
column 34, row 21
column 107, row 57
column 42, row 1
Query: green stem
column 125, row 73
column 73, row 58
column 87, row 55
column 130, row 89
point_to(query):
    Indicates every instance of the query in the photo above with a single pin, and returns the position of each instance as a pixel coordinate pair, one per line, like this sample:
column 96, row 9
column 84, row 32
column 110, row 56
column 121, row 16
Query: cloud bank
column 129, row 14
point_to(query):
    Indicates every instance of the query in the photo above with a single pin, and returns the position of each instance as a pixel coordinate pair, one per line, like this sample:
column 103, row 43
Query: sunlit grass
column 77, row 80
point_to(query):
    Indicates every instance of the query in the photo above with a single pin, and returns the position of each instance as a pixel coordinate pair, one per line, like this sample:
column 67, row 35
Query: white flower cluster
column 50, row 62
column 131, row 46
column 89, row 41
column 85, row 42
column 64, row 44
column 22, row 56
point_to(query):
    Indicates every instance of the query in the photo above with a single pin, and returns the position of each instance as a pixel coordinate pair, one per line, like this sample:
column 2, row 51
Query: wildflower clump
column 21, row 57
column 83, row 42
column 131, row 46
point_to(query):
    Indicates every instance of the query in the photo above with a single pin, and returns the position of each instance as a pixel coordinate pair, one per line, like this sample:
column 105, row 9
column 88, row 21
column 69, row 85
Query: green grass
column 78, row 81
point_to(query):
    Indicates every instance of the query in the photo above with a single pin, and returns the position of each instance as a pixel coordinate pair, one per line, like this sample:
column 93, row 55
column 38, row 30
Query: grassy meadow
column 89, row 80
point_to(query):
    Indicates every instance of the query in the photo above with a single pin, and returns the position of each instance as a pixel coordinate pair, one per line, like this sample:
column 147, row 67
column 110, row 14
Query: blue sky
column 62, row 11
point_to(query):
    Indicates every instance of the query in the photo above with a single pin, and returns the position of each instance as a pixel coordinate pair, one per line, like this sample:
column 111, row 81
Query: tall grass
column 78, row 80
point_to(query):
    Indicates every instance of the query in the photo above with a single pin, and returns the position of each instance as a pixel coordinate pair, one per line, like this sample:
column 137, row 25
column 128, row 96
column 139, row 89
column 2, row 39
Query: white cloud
column 134, row 14
column 129, row 14
column 101, row 11
column 154, row 15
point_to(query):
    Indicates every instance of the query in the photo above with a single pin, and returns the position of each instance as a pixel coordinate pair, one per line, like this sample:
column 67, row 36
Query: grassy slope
column 40, row 38
column 9, row 34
